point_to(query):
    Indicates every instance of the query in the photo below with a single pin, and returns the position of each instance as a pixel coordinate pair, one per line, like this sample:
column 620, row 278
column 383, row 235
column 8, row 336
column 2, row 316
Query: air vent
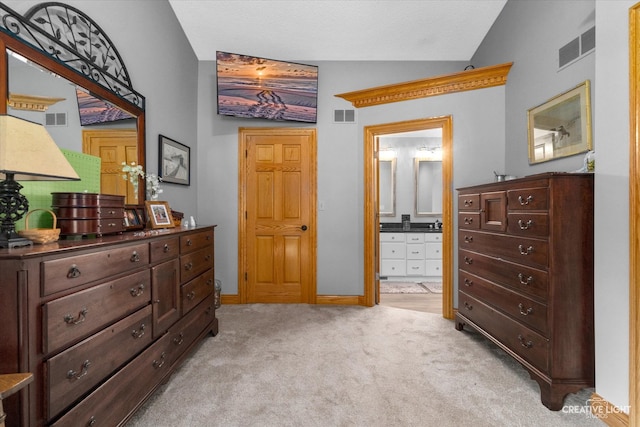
column 577, row 48
column 55, row 119
column 344, row 116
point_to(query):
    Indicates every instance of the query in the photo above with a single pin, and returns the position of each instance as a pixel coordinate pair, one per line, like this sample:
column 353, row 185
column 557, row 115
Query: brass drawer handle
column 524, row 281
column 468, row 239
column 524, row 202
column 135, row 257
column 210, row 282
column 165, row 248
column 158, row 364
column 92, row 421
column 467, row 221
column 522, row 310
column 138, row 333
column 189, row 242
column 468, row 260
column 468, row 202
column 191, row 295
column 525, row 225
column 136, row 292
column 468, row 306
column 525, row 344
column 207, row 257
column 179, row 339
column 188, row 266
column 468, row 282
column 73, row 272
column 69, row 319
column 524, row 251
column 73, row 375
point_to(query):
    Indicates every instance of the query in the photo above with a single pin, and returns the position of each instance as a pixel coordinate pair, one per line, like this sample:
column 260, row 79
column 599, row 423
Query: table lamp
column 27, row 153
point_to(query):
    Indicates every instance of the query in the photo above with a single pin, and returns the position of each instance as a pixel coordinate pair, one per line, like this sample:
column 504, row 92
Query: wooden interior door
column 113, row 146
column 277, row 216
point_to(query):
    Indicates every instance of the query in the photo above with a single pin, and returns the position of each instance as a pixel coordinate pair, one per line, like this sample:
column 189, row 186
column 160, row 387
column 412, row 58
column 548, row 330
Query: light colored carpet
column 402, row 288
column 312, row 365
column 433, row 287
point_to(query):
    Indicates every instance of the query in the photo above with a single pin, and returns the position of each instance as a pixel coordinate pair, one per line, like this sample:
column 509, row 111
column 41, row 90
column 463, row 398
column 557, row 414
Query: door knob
column 303, row 228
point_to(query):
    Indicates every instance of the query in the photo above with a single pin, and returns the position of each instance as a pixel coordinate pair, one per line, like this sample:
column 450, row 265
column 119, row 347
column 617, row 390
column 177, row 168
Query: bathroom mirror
column 387, row 190
column 38, row 82
column 428, row 188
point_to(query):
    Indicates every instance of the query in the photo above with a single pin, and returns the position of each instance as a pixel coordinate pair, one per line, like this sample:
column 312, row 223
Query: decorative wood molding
column 31, row 102
column 479, row 78
column 607, row 412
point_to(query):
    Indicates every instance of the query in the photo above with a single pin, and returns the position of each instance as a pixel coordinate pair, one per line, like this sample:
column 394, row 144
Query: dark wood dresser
column 101, row 323
column 525, row 278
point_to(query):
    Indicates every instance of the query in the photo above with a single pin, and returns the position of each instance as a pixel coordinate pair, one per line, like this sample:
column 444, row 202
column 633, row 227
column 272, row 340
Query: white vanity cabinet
column 410, row 256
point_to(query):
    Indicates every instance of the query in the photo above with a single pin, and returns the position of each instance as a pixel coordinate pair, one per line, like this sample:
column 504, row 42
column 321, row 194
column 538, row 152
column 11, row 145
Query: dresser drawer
column 192, row 242
column 531, row 346
column 416, row 251
column 522, row 250
column 528, row 198
column 111, row 225
column 393, row 267
column 521, row 278
column 195, row 263
column 66, row 273
column 78, row 369
column 518, row 306
column 128, row 387
column 528, row 224
column 75, row 316
column 415, row 267
column 469, row 202
column 393, row 250
column 111, row 212
column 187, row 329
column 196, row 290
column 470, row 220
column 161, row 250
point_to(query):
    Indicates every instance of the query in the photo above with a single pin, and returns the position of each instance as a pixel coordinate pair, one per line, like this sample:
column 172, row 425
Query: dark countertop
column 425, row 227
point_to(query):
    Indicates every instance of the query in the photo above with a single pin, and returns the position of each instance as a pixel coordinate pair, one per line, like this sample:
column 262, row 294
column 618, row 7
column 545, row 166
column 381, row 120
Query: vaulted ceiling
column 335, row 30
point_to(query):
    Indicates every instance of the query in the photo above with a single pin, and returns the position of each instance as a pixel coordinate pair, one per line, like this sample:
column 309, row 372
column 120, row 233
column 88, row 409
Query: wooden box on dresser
column 525, row 278
column 102, row 322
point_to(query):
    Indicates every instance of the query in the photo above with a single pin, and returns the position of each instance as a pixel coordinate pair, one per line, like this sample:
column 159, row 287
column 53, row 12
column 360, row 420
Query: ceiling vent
column 577, row 48
column 344, row 116
column 55, row 119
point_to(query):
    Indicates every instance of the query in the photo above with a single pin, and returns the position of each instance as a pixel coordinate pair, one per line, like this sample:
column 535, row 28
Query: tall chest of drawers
column 525, row 277
column 102, row 322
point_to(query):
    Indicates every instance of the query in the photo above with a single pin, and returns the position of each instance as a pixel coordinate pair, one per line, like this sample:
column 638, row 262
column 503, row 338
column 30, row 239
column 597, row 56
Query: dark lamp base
column 14, row 242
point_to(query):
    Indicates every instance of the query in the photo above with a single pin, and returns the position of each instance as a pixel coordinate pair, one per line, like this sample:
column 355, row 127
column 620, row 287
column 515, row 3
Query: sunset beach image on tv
column 254, row 87
column 95, row 111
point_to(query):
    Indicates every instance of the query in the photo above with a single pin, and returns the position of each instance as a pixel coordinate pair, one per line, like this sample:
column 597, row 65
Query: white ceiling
column 334, row 30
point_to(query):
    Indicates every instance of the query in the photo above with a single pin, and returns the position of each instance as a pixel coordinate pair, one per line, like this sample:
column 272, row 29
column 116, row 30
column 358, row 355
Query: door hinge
column 246, row 215
column 246, row 153
column 245, row 276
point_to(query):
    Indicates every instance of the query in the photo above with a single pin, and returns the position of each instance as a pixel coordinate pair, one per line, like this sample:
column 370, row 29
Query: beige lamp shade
column 28, row 151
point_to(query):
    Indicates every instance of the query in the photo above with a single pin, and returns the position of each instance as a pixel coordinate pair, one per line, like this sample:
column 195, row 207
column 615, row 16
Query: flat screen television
column 95, row 111
column 254, row 87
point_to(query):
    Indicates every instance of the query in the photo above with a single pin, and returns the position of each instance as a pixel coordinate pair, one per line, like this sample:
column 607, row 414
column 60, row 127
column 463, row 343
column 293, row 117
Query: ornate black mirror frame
column 68, row 43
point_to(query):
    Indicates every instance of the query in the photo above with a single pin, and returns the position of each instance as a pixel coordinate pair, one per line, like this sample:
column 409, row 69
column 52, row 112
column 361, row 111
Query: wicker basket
column 40, row 235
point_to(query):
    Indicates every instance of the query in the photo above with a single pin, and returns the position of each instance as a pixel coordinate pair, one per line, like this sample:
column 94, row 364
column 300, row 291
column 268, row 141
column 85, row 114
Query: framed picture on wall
column 561, row 126
column 175, row 161
column 159, row 214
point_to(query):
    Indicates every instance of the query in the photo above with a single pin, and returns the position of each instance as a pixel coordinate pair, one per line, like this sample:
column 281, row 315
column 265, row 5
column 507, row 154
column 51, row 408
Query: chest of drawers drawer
column 523, row 279
column 69, row 272
column 528, row 344
column 522, row 250
column 161, row 250
column 196, row 290
column 75, row 316
column 470, row 220
column 195, row 263
column 528, row 224
column 469, row 202
column 524, row 309
column 195, row 241
column 75, row 371
column 187, row 329
column 535, row 198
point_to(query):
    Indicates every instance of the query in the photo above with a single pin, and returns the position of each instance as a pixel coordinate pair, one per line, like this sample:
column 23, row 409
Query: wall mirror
column 428, row 188
column 45, row 76
column 387, row 190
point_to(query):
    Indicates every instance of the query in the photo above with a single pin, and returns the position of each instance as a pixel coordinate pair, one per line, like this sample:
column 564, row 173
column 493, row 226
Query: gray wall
column 162, row 67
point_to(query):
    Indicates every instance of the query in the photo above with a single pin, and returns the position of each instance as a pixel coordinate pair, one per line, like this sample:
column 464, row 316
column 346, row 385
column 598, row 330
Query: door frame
column 242, row 205
column 371, row 229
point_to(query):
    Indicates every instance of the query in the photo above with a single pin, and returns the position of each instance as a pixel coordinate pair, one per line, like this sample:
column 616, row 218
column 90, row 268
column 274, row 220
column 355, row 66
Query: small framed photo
column 561, row 126
column 132, row 219
column 175, row 161
column 159, row 214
